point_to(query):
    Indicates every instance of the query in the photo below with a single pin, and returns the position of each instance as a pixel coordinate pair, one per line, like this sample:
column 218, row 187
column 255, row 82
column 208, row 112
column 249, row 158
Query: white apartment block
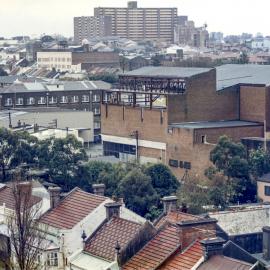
column 60, row 60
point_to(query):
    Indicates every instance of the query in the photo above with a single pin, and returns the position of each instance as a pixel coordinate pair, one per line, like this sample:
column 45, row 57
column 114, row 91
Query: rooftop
column 156, row 251
column 55, row 86
column 232, row 74
column 185, row 260
column 219, row 262
column 7, row 197
column 103, row 243
column 168, row 72
column 72, row 209
column 214, row 124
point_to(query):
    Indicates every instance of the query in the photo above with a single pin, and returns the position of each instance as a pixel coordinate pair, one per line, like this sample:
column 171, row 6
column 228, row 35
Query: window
column 173, row 163
column 42, row 100
column 96, row 125
column 52, row 259
column 8, row 102
column 30, row 101
column 96, row 111
column 75, row 99
column 64, row 99
column 267, row 190
column 52, row 100
column 19, row 101
column 85, row 98
column 96, row 98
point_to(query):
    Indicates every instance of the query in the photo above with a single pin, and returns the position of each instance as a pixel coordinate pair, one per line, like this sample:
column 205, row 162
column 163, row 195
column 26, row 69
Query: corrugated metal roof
column 171, row 72
column 232, row 74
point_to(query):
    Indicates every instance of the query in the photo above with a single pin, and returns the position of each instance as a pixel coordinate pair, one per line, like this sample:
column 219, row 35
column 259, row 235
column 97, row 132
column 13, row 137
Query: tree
column 26, row 238
column 259, row 162
column 163, row 181
column 15, row 148
column 230, row 159
column 244, row 59
column 63, row 158
column 156, row 60
column 194, row 194
column 138, row 192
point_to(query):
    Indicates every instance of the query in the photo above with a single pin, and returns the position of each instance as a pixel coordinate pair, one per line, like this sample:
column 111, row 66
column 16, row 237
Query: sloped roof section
column 71, row 210
column 103, row 243
column 220, row 262
column 184, row 260
column 156, row 251
column 175, row 217
column 7, row 197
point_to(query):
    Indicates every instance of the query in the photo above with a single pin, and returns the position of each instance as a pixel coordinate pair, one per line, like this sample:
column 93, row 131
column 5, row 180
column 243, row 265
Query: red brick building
column 176, row 115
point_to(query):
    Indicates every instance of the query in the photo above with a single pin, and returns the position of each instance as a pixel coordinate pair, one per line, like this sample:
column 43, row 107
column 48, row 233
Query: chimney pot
column 266, row 242
column 98, row 189
column 112, row 209
column 169, row 204
column 54, row 196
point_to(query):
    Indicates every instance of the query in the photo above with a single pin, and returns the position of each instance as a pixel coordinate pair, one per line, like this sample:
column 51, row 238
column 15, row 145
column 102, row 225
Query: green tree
column 138, row 192
column 230, row 159
column 259, row 162
column 163, row 180
column 62, row 157
column 15, row 148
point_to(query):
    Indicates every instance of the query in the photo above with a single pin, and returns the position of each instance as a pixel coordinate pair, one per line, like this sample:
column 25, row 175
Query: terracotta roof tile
column 70, row 211
column 7, row 197
column 175, row 217
column 220, row 262
column 156, row 250
column 103, row 243
column 184, row 260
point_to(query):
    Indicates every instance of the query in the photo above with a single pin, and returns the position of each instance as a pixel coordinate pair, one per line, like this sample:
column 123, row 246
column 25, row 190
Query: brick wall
column 236, row 133
column 122, row 122
column 202, row 102
column 252, row 103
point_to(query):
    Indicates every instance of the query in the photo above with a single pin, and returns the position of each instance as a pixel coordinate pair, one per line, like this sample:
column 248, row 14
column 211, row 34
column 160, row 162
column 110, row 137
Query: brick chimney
column 266, row 242
column 212, row 246
column 169, row 204
column 190, row 230
column 112, row 210
column 98, row 189
column 24, row 188
column 54, row 196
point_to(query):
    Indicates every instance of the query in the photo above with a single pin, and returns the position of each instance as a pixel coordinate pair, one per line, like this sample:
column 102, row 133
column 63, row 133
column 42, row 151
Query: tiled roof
column 185, row 260
column 7, row 197
column 175, row 217
column 158, row 249
column 70, row 211
column 103, row 243
column 220, row 262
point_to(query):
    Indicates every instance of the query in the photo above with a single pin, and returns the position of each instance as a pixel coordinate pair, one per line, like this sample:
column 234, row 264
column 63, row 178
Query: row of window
column 51, row 100
column 54, row 59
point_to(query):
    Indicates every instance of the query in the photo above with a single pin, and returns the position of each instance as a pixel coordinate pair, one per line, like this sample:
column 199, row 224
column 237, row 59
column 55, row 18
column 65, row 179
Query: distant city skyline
column 36, row 17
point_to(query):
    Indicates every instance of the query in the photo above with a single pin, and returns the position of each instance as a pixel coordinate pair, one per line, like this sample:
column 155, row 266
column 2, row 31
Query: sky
column 36, row 17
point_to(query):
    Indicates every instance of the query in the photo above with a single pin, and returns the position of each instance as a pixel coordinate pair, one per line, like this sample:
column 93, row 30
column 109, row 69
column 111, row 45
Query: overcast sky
column 35, row 17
